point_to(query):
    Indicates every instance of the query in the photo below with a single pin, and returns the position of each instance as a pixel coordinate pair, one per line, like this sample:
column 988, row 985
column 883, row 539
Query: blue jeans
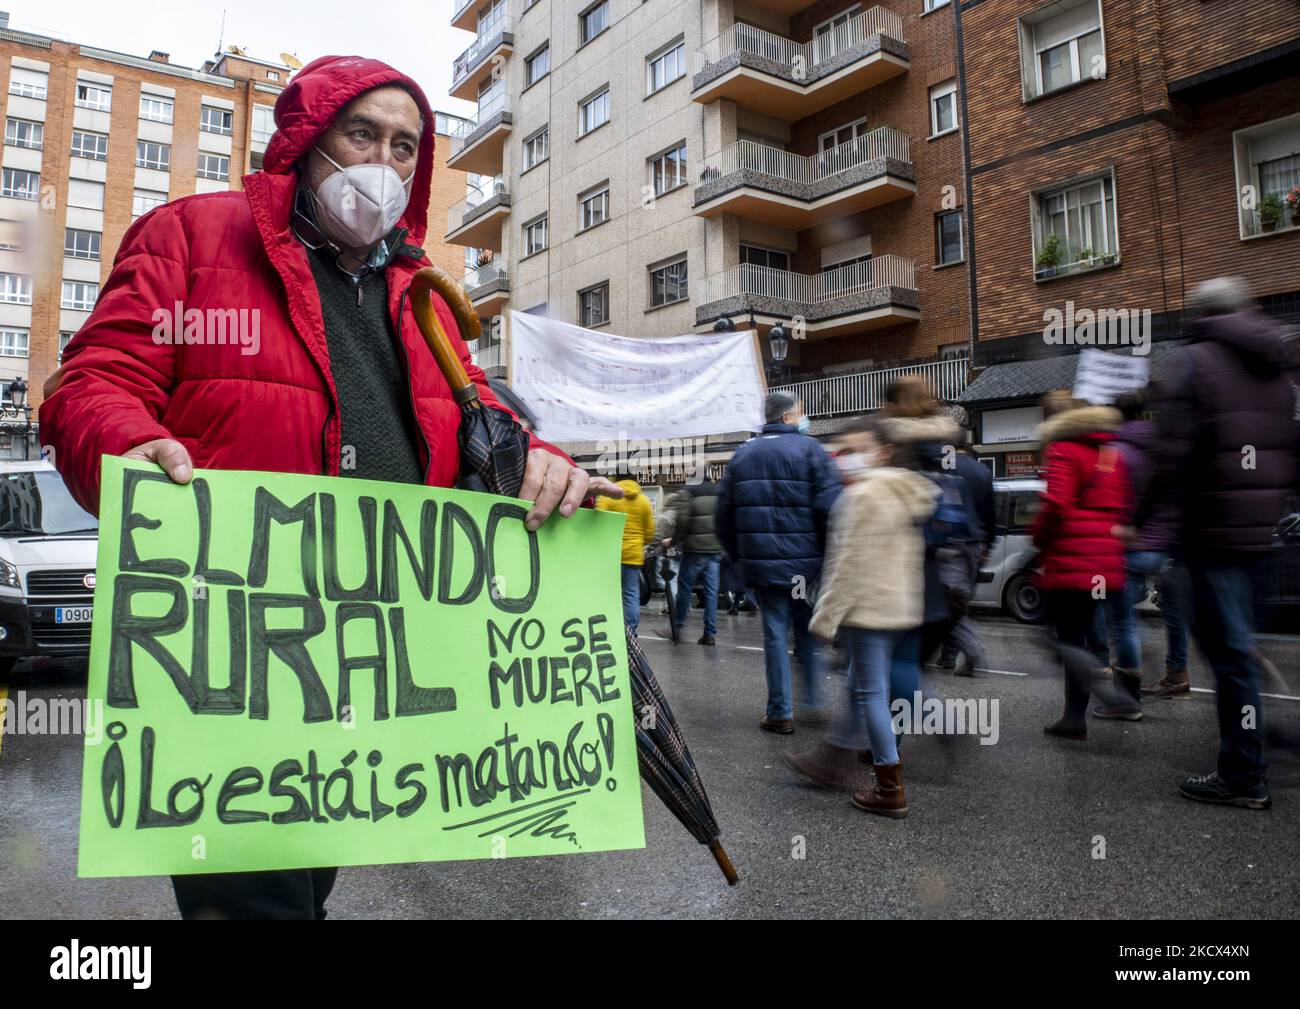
column 1223, row 620
column 781, row 611
column 867, row 721
column 632, row 596
column 693, row 566
column 1121, row 613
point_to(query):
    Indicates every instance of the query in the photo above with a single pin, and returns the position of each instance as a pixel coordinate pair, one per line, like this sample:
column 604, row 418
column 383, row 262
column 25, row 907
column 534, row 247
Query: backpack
column 950, row 521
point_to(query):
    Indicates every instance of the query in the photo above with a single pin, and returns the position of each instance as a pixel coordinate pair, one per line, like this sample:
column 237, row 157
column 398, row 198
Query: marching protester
column 965, row 558
column 1081, row 556
column 771, row 515
column 873, row 592
column 692, row 509
column 322, row 244
column 1228, row 442
column 638, row 533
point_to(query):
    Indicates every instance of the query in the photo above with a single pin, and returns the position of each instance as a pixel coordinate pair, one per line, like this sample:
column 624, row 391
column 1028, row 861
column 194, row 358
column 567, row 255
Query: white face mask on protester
column 855, row 465
column 360, row 204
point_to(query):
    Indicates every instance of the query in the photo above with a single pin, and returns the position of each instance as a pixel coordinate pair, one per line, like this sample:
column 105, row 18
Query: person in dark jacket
column 772, row 513
column 692, row 510
column 1228, row 439
column 967, row 557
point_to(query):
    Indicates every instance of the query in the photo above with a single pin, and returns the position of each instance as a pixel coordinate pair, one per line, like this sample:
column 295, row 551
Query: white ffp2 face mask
column 360, row 204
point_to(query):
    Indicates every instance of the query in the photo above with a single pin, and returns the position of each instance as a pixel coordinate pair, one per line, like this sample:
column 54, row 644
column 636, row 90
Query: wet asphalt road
column 1006, row 830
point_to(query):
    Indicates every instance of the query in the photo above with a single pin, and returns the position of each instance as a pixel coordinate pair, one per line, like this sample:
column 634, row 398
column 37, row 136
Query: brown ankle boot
column 1175, row 681
column 827, row 766
column 886, row 795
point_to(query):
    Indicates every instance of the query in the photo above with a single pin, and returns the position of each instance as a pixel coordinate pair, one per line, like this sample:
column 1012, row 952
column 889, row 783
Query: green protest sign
column 303, row 671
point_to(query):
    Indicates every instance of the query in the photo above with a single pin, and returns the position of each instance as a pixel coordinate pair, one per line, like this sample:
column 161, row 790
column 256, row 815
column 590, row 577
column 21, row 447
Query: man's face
column 794, row 413
column 381, row 127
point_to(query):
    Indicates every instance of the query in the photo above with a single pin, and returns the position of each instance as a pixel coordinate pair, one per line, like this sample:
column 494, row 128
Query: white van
column 47, row 565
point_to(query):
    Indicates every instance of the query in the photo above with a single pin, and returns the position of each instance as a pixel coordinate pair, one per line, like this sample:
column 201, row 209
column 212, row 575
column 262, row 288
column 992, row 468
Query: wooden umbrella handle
column 432, row 278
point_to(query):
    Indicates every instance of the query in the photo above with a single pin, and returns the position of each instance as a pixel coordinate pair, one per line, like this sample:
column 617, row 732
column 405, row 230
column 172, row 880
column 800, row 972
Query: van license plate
column 72, row 614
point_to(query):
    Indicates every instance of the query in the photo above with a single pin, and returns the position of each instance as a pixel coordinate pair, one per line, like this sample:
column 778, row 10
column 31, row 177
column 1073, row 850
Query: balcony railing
column 760, row 159
column 851, row 394
column 458, row 8
column 490, row 36
column 463, row 211
column 488, row 273
column 754, row 41
column 462, row 134
column 490, row 357
column 810, row 289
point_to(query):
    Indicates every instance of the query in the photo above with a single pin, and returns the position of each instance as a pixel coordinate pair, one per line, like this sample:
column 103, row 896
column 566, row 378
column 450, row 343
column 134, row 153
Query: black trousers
column 1073, row 615
column 278, row 895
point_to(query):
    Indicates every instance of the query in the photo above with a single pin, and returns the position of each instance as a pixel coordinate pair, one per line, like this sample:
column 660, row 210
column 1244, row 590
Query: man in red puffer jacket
column 1087, row 502
column 329, row 373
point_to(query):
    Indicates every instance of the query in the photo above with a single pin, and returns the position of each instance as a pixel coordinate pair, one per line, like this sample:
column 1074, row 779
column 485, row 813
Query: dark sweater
column 380, row 439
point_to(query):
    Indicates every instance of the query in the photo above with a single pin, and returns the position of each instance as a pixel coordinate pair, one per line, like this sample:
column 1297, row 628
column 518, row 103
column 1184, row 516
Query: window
column 535, row 236
column 64, row 339
column 490, row 20
column 593, row 207
column 846, row 263
column 214, row 120
column 537, row 148
column 1061, row 48
column 28, row 83
column 593, row 305
column 15, row 289
column 144, row 200
column 214, row 166
column 79, row 244
column 1082, row 216
column 21, row 185
column 948, row 238
column 668, row 283
column 13, row 342
column 89, row 145
column 151, row 155
column 156, row 109
column 838, row 33
column 772, row 259
column 592, row 22
column 263, row 123
column 594, row 112
column 844, row 135
column 668, row 170
column 22, row 133
column 934, row 5
column 87, row 194
column 273, row 75
column 90, row 96
column 665, row 67
column 943, row 108
column 537, row 65
column 79, row 295
column 1267, row 160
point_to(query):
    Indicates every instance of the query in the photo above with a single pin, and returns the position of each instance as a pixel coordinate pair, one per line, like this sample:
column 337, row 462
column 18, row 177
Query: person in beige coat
column 873, row 590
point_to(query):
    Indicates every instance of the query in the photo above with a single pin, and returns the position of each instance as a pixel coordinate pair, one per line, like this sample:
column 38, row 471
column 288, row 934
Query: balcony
column 465, row 14
column 475, row 63
column 793, row 191
column 836, row 395
column 476, row 220
column 491, row 357
column 779, row 77
column 488, row 288
column 849, row 299
column 478, row 145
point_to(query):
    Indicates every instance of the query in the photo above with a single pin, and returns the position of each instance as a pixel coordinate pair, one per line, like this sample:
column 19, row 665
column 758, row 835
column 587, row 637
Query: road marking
column 1276, row 697
column 4, row 694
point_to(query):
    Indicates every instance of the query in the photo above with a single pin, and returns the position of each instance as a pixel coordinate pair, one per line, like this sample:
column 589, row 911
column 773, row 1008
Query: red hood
column 318, row 93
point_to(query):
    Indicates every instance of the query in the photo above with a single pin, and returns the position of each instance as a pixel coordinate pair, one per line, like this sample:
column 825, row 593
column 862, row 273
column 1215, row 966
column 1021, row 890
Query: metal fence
column 810, row 289
column 488, row 39
column 462, row 130
column 748, row 156
column 858, row 393
column 743, row 38
column 457, row 211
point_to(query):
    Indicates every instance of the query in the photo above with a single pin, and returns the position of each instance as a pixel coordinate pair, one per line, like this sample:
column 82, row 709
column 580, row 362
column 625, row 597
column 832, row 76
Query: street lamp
column 20, row 408
column 780, row 343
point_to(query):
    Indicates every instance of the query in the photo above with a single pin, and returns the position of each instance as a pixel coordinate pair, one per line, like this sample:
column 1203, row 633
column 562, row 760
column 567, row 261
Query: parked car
column 1278, row 600
column 1006, row 580
column 47, row 565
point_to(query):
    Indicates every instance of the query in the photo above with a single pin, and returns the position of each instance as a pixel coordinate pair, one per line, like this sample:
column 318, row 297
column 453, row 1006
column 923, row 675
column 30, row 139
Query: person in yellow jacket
column 638, row 530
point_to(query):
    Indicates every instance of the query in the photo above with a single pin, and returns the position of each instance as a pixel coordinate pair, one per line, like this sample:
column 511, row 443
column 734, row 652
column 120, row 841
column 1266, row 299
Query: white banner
column 585, row 385
column 1100, row 377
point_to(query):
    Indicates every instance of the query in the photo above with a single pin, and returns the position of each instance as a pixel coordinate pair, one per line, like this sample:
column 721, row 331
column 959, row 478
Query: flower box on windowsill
column 1043, row 274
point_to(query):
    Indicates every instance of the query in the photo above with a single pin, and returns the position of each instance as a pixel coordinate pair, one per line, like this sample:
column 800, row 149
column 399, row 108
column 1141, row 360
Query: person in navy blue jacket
column 773, row 509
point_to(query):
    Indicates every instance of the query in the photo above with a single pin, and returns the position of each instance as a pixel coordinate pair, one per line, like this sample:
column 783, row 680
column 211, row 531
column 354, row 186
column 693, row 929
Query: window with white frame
column 593, row 21
column 13, row 342
column 214, row 166
column 537, row 66
column 491, row 18
column 668, row 170
column 593, row 112
column 95, row 97
column 90, row 145
column 65, row 338
column 768, row 259
column 79, row 295
column 1267, row 158
column 157, row 109
column 665, row 66
column 79, row 244
column 86, row 194
column 948, row 244
column 1060, row 47
column 668, row 283
column 28, row 83
column 24, row 133
column 15, row 289
column 593, row 207
column 151, row 155
column 1082, row 217
column 20, row 185
column 144, row 200
column 535, row 236
column 837, row 33
column 215, row 120
column 263, row 124
column 934, row 5
column 845, row 134
column 593, row 305
column 943, row 108
column 537, row 147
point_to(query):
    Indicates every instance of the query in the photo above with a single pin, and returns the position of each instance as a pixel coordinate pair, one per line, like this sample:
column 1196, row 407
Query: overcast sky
column 417, row 38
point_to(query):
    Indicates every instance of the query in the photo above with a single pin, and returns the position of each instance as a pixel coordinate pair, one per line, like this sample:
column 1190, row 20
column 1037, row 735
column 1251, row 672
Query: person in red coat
column 268, row 329
column 1081, row 555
